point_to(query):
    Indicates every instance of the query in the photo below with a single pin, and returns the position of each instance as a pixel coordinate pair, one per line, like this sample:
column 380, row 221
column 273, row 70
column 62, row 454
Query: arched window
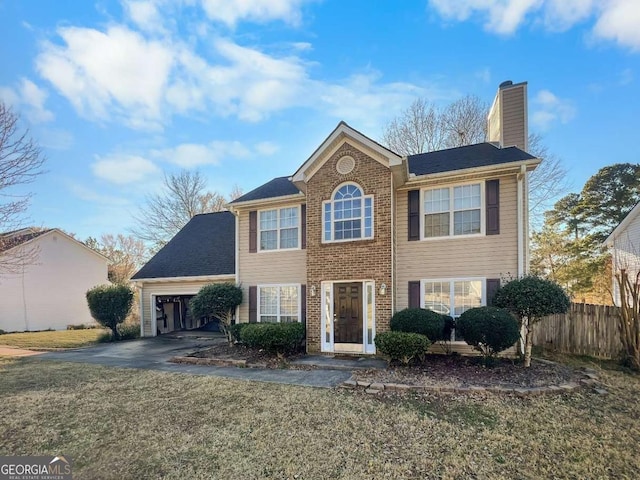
column 348, row 215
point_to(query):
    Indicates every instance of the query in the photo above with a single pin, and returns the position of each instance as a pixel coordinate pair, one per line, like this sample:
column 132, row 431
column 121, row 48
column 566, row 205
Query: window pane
column 269, row 220
column 289, row 238
column 437, row 297
column 269, row 240
column 466, row 222
column 268, row 301
column 436, row 200
column 436, row 225
column 327, row 222
column 467, row 294
column 368, row 217
column 268, row 319
column 289, row 302
column 467, row 196
column 288, row 217
column 347, row 229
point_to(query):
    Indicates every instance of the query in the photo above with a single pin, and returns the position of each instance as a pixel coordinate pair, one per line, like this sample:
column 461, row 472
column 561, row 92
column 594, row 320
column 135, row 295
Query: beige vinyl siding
column 184, row 287
column 495, row 133
column 277, row 267
column 513, row 116
column 490, row 256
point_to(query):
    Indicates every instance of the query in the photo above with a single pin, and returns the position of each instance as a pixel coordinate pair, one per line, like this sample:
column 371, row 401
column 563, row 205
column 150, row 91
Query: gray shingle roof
column 459, row 158
column 204, row 246
column 278, row 187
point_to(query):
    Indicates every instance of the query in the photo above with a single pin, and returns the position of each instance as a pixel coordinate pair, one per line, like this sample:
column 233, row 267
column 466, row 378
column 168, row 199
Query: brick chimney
column 507, row 123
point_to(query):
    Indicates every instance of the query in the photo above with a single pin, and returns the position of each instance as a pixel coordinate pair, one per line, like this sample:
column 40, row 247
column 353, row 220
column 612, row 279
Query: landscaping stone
column 521, row 392
column 601, row 391
column 475, row 389
column 363, row 384
column 373, row 391
column 350, row 384
column 377, row 386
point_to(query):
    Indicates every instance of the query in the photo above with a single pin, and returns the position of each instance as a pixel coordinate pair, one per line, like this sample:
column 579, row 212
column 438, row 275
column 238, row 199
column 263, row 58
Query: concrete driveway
column 154, row 353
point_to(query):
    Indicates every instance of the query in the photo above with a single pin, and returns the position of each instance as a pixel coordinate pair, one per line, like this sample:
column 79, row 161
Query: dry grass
column 119, row 423
column 51, row 338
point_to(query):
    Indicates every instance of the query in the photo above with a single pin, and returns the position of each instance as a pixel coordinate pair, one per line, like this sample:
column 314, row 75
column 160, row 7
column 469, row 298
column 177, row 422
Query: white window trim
column 362, row 217
column 278, row 285
column 451, row 281
column 451, row 212
column 278, row 249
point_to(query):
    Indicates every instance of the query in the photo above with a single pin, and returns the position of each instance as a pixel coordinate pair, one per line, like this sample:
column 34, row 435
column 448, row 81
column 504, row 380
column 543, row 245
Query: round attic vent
column 345, row 165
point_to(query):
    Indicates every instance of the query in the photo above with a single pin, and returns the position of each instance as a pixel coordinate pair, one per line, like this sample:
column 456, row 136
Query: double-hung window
column 279, row 228
column 279, row 303
column 348, row 215
column 453, row 297
column 452, row 211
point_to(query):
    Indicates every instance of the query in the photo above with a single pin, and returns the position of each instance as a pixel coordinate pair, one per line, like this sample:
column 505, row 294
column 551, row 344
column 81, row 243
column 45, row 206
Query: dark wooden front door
column 347, row 309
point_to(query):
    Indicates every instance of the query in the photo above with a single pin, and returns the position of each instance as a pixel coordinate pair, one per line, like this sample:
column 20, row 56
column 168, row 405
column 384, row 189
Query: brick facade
column 351, row 260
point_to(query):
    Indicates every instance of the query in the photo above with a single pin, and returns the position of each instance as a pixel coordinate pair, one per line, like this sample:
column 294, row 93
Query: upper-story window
column 452, row 211
column 348, row 215
column 279, row 228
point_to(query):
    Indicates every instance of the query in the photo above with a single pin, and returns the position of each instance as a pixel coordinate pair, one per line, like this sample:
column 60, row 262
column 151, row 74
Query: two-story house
column 359, row 232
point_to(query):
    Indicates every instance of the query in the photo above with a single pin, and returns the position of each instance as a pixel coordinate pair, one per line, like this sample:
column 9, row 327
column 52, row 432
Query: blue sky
column 118, row 92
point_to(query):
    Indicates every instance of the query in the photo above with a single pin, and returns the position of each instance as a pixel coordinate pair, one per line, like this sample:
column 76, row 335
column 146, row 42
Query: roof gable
column 205, row 246
column 30, row 235
column 341, row 134
column 623, row 225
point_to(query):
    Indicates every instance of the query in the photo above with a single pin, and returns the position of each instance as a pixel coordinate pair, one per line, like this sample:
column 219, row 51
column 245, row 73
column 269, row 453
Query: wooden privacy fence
column 584, row 330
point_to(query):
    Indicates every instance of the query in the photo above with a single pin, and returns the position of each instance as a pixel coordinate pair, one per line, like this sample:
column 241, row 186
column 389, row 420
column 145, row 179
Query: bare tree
column 21, row 161
column 423, row 127
column 126, row 254
column 183, row 195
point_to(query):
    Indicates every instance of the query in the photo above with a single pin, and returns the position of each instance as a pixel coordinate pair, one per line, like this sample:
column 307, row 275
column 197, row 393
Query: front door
column 347, row 310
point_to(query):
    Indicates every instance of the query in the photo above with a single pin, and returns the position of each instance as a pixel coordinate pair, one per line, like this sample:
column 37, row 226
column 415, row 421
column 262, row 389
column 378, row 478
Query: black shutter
column 493, row 206
column 303, row 225
column 253, row 231
column 253, row 304
column 414, row 214
column 303, row 303
column 493, row 284
column 414, row 294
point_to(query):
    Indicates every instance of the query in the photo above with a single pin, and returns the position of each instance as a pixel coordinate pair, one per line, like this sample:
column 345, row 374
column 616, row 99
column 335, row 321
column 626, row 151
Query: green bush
column 2, row 332
column 280, row 338
column 402, row 346
column 217, row 300
column 489, row 329
column 418, row 320
column 235, row 330
column 82, row 326
column 129, row 331
column 109, row 305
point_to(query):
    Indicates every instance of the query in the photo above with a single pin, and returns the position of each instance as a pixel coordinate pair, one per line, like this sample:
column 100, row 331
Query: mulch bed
column 436, row 370
column 256, row 358
column 457, row 371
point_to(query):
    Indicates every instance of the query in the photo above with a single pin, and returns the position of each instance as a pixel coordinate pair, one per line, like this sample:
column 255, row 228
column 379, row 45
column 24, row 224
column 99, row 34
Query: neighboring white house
column 48, row 291
column 624, row 245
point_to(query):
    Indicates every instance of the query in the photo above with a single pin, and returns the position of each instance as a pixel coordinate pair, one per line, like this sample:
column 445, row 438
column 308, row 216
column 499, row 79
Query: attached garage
column 203, row 252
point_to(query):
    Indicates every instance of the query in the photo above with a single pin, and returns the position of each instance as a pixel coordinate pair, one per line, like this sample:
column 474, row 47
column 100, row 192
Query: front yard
column 51, row 338
column 118, row 423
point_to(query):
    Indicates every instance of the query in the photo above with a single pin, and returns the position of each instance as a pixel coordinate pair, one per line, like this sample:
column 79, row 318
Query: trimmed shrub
column 129, row 331
column 280, row 338
column 402, row 346
column 489, row 329
column 217, row 300
column 109, row 305
column 235, row 330
column 418, row 320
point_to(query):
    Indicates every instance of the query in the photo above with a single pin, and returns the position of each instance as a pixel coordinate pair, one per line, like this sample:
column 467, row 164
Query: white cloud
column 615, row 20
column 192, row 155
column 266, row 148
column 102, row 72
column 145, row 14
column 30, row 98
column 231, row 12
column 548, row 109
column 620, row 22
column 123, row 169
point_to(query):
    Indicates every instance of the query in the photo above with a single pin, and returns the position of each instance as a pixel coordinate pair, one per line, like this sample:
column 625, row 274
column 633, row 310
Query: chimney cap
column 506, row 83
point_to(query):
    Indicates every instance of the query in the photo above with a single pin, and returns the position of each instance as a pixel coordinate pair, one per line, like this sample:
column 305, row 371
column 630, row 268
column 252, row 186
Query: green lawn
column 51, row 339
column 119, row 423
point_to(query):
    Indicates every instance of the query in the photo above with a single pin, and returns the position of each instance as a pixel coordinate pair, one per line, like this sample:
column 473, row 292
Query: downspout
column 520, row 206
column 525, row 212
column 24, row 301
column 393, row 248
column 140, row 308
column 236, row 214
